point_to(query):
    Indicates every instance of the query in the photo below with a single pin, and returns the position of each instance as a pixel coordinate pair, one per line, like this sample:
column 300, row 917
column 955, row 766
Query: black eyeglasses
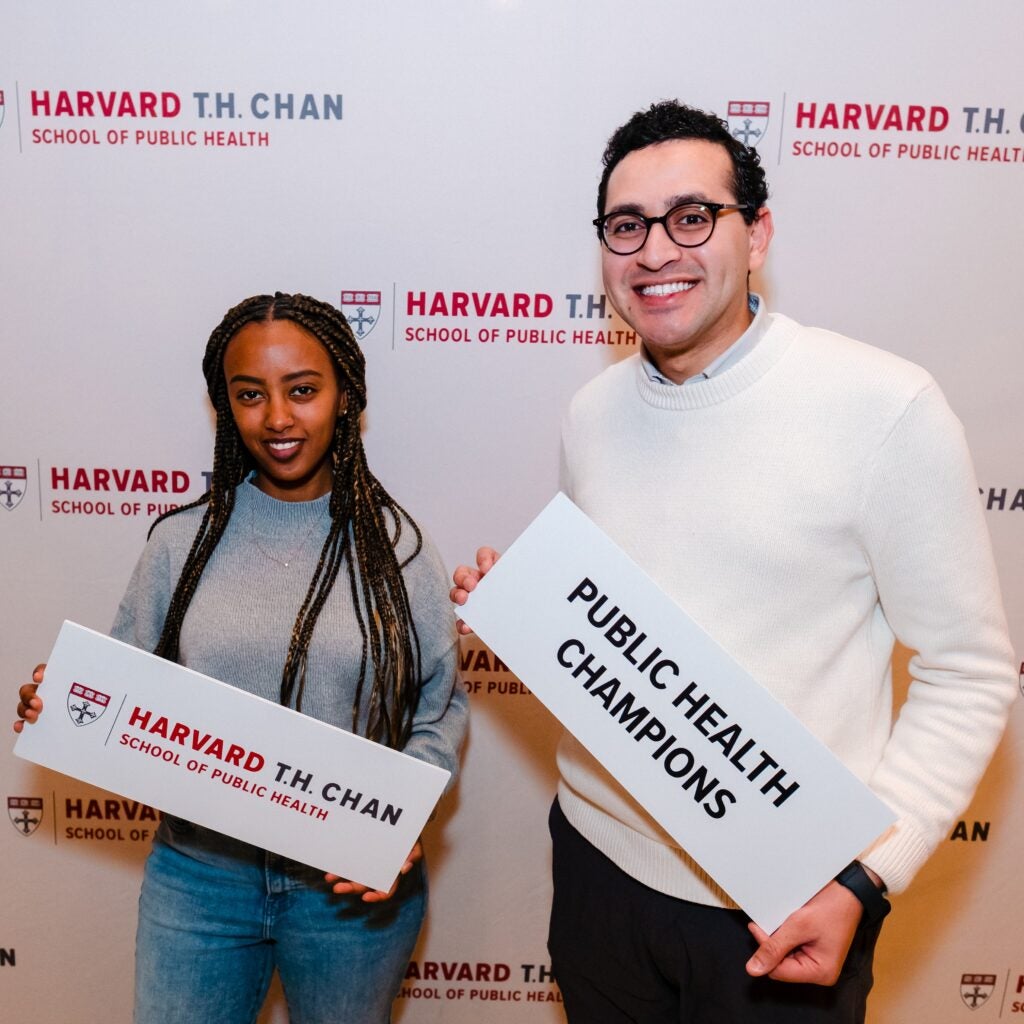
column 688, row 225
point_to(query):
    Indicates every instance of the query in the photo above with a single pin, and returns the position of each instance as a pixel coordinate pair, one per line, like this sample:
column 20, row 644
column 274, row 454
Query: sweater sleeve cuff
column 896, row 856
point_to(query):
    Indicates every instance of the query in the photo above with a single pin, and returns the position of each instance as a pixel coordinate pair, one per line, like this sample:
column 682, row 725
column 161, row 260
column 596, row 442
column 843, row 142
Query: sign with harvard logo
column 213, row 754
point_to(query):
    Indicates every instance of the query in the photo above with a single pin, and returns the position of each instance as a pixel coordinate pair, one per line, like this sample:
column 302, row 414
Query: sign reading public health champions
column 719, row 763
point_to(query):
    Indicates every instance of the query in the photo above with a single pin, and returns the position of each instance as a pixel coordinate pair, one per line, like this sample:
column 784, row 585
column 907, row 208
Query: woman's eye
column 304, row 390
column 248, row 396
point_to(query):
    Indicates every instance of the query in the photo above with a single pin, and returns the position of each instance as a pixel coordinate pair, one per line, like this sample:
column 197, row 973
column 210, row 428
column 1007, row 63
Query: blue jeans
column 217, row 916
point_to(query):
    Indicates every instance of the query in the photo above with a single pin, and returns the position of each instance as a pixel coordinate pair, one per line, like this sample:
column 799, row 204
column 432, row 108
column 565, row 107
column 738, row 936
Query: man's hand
column 344, row 887
column 810, row 946
column 466, row 579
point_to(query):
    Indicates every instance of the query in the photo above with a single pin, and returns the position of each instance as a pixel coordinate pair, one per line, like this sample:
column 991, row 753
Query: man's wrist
column 872, row 898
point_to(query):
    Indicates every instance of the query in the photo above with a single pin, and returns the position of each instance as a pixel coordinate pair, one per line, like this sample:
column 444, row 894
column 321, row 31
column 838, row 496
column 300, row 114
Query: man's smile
column 666, row 289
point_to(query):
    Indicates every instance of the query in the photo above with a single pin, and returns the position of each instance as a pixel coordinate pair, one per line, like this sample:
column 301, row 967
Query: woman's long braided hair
column 359, row 535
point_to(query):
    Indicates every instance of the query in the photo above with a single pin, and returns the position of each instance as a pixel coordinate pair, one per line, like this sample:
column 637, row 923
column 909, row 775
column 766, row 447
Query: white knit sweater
column 805, row 507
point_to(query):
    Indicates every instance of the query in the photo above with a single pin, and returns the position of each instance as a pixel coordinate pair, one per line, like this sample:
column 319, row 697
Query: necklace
column 289, row 556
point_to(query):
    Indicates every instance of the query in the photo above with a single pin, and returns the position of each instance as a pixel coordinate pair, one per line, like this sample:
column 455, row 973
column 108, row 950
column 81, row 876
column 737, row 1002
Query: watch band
column 872, row 899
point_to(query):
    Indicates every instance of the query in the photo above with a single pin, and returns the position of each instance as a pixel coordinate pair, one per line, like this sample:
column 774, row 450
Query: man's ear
column 761, row 232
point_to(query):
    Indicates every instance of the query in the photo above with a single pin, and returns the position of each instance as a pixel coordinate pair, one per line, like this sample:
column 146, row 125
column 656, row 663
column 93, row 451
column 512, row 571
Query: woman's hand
column 30, row 707
column 343, row 887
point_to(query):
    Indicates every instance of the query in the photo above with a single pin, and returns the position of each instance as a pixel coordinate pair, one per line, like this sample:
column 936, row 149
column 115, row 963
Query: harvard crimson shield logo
column 976, row 988
column 25, row 813
column 13, row 479
column 86, row 705
column 362, row 311
column 748, row 120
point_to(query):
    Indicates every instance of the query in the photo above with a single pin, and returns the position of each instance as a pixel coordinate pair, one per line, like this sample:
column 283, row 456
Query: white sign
column 152, row 731
column 764, row 807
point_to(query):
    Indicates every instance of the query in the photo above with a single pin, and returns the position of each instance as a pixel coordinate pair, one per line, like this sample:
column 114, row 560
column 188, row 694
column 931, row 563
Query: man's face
column 688, row 305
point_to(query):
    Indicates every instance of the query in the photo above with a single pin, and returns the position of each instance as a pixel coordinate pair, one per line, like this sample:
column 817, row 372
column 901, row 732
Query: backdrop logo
column 748, row 120
column 362, row 311
column 1003, row 499
column 976, row 988
column 90, row 704
column 170, row 119
column 25, row 812
column 13, row 479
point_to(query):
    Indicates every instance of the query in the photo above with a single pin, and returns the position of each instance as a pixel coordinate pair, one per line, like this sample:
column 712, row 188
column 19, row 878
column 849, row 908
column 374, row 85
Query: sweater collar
column 740, row 348
column 275, row 517
column 776, row 339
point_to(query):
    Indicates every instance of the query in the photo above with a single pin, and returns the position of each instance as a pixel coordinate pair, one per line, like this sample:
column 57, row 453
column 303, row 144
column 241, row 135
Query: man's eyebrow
column 688, row 197
column 626, row 208
column 670, row 204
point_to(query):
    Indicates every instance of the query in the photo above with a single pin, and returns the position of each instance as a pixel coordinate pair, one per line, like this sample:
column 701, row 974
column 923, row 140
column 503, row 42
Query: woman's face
column 285, row 400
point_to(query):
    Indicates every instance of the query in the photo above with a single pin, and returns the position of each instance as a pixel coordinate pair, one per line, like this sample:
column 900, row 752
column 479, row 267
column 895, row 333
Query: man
column 806, row 499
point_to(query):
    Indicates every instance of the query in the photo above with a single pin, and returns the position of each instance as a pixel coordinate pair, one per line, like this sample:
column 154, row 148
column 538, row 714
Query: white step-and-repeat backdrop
column 433, row 167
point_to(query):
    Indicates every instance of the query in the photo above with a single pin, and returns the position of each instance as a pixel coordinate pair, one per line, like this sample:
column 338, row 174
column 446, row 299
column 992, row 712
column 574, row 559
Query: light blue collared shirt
column 732, row 355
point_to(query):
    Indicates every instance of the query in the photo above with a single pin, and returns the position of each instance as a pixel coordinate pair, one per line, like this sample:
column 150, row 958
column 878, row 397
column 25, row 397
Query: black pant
column 622, row 952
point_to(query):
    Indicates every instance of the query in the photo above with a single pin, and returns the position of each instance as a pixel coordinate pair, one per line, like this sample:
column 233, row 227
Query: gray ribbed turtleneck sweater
column 239, row 624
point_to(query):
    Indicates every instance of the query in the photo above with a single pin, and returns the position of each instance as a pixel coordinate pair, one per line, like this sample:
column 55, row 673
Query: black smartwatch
column 872, row 899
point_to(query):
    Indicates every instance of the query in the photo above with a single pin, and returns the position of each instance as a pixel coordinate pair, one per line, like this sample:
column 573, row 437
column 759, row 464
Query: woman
column 241, row 585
